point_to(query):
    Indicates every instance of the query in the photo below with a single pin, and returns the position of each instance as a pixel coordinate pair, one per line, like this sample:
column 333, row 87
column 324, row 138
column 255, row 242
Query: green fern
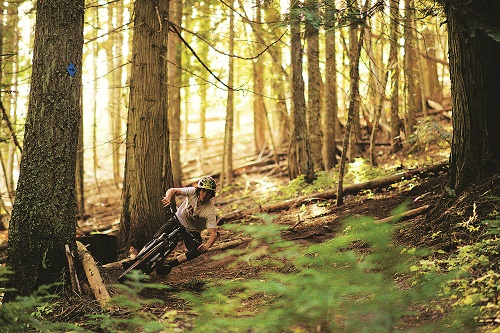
column 348, row 284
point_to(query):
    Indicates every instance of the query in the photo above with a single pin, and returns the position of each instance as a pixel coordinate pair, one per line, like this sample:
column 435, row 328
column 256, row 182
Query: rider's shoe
column 163, row 269
column 126, row 264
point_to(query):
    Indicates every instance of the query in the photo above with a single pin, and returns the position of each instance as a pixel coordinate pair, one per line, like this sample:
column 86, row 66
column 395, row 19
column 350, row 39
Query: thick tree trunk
column 475, row 86
column 147, row 165
column 43, row 219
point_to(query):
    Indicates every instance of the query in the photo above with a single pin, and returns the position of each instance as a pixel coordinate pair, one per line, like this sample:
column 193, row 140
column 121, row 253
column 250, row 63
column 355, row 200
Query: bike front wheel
column 142, row 263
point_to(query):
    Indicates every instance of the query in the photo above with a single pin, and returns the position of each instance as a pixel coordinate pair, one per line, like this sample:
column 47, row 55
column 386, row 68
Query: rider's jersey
column 196, row 217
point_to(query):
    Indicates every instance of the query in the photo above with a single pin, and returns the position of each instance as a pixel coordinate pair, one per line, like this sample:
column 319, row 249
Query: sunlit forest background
column 403, row 69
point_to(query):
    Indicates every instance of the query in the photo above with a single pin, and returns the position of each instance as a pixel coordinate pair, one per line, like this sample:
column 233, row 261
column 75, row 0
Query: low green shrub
column 357, row 282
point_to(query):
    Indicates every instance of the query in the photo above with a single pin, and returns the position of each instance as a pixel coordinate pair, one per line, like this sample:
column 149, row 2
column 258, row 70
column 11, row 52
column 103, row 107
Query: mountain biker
column 196, row 213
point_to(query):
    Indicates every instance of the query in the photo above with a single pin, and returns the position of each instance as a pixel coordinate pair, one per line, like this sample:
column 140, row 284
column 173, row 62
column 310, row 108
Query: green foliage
column 124, row 313
column 347, row 284
column 475, row 267
column 358, row 171
column 361, row 171
column 29, row 313
column 357, row 282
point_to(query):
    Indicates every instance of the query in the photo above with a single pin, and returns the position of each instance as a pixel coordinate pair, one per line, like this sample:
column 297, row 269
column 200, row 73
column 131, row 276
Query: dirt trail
column 319, row 222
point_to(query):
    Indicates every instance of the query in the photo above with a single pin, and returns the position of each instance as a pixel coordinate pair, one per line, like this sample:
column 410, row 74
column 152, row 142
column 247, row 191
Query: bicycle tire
column 136, row 265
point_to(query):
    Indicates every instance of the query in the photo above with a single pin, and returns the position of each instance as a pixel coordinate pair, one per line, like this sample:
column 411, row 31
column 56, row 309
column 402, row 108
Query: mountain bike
column 156, row 250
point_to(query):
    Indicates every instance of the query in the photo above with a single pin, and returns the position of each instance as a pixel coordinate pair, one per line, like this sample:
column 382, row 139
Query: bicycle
column 156, row 250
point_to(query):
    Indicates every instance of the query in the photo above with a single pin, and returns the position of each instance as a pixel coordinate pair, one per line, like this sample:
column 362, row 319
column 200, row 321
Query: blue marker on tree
column 71, row 69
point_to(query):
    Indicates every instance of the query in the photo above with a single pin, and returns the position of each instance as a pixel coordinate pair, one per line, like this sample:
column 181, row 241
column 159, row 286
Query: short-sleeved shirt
column 195, row 217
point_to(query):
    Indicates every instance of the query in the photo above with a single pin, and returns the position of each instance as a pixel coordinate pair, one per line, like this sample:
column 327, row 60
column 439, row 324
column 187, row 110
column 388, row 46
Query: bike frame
column 156, row 250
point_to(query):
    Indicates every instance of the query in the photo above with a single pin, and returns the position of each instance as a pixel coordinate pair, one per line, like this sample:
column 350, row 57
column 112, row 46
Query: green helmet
column 207, row 183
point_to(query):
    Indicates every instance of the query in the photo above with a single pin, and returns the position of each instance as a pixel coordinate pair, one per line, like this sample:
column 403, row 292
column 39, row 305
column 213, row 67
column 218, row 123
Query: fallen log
column 230, row 244
column 404, row 215
column 75, row 284
column 332, row 194
column 93, row 276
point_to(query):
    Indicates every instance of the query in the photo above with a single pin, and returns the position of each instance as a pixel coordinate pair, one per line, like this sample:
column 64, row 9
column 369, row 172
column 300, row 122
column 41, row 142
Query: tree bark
column 412, row 90
column 174, row 89
column 354, row 95
column 330, row 120
column 474, row 72
column 299, row 160
column 259, row 108
column 394, row 67
column 281, row 119
column 354, row 99
column 43, row 218
column 147, row 162
column 118, row 93
column 75, row 284
column 314, row 84
column 227, row 159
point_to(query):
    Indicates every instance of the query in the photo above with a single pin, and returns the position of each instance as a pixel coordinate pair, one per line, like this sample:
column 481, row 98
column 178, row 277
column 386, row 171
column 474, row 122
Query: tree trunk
column 299, row 160
column 413, row 105
column 174, row 86
column 9, row 78
column 376, row 120
column 147, row 164
column 43, row 218
column 331, row 109
column 353, row 151
column 281, row 117
column 80, row 171
column 95, row 87
column 259, row 113
column 430, row 84
column 203, row 53
column 394, row 66
column 227, row 167
column 354, row 93
column 474, row 72
column 314, row 83
column 113, row 47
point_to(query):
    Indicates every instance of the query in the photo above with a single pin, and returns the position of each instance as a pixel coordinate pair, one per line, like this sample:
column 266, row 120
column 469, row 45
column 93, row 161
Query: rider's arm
column 211, row 240
column 169, row 194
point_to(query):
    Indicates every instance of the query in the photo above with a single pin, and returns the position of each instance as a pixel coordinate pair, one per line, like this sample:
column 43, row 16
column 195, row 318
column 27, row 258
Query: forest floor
column 312, row 223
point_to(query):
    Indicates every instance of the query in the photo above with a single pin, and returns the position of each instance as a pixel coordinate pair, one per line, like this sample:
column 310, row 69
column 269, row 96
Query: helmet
column 207, row 183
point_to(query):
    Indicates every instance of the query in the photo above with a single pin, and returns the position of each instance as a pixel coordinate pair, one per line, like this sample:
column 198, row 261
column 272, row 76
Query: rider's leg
column 192, row 244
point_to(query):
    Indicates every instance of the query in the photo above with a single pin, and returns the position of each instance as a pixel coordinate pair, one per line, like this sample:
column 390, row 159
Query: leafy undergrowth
column 314, row 268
